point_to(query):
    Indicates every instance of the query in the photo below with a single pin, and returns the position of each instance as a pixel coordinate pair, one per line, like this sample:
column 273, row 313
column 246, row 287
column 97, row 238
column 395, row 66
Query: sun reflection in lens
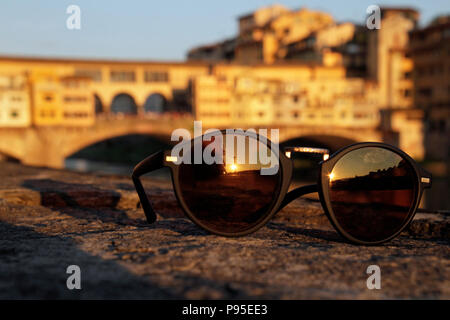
column 231, row 168
column 331, row 176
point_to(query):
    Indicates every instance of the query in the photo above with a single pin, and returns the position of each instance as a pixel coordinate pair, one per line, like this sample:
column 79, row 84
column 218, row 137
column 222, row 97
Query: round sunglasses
column 369, row 191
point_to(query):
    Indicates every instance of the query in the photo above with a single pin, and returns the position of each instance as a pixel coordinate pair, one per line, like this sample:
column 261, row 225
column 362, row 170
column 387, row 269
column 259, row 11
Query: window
column 123, row 76
column 446, row 33
column 47, row 113
column 359, row 115
column 426, row 92
column 215, row 114
column 48, row 97
column 76, row 114
column 156, row 76
column 16, row 98
column 75, row 99
column 14, row 114
column 407, row 93
column 94, row 74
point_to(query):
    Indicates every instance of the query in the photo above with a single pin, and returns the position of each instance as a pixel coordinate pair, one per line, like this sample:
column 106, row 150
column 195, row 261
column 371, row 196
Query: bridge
column 64, row 106
column 50, row 146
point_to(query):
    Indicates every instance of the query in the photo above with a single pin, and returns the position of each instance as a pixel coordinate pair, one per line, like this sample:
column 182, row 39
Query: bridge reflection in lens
column 372, row 192
column 230, row 197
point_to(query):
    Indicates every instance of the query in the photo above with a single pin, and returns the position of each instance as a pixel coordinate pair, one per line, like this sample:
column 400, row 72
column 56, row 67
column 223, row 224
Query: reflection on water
column 83, row 165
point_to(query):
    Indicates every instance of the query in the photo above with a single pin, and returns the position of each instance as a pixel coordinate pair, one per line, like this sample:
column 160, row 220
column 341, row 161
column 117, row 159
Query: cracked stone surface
column 50, row 219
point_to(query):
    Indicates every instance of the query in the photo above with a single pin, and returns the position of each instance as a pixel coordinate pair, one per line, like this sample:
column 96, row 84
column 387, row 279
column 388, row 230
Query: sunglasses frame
column 163, row 159
column 421, row 180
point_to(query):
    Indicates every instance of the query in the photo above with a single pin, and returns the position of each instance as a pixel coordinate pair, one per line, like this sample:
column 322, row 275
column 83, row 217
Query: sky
column 151, row 30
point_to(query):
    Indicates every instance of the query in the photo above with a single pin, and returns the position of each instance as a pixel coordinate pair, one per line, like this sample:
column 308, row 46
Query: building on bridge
column 284, row 95
column 41, row 98
column 15, row 108
column 117, row 87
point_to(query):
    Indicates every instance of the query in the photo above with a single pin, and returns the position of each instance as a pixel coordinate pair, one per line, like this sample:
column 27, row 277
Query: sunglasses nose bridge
column 288, row 151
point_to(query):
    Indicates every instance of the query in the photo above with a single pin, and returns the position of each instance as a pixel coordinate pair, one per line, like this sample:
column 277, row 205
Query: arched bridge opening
column 8, row 157
column 116, row 154
column 156, row 103
column 124, row 104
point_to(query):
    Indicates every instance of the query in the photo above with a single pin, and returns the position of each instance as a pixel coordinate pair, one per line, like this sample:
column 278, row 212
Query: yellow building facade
column 265, row 34
column 67, row 92
column 46, row 102
column 289, row 94
column 387, row 60
column 15, row 108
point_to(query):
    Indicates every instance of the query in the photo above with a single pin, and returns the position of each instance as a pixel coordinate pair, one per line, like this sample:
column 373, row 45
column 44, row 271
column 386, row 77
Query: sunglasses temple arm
column 151, row 163
column 296, row 193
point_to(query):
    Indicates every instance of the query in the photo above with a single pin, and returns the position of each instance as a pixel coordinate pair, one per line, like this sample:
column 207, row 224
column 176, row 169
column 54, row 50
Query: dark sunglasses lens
column 372, row 190
column 234, row 196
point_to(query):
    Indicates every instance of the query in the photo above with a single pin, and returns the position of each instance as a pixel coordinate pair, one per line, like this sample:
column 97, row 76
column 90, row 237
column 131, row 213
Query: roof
column 279, row 63
column 399, row 9
column 412, row 11
column 98, row 61
column 247, row 15
column 70, row 78
column 187, row 63
column 212, row 45
column 431, row 28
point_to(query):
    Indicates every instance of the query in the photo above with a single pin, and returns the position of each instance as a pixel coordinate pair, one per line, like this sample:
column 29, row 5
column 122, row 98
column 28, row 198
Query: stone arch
column 98, row 105
column 107, row 129
column 115, row 148
column 123, row 103
column 9, row 156
column 155, row 102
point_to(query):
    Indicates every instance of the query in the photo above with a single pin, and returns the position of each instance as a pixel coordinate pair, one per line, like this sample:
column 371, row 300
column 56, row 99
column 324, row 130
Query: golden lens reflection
column 371, row 192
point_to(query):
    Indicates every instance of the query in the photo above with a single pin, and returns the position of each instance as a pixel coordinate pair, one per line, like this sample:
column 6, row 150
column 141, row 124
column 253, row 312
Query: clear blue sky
column 160, row 30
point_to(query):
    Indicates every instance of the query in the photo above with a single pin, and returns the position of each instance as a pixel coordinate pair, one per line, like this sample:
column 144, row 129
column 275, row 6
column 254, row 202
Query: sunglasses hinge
column 425, row 180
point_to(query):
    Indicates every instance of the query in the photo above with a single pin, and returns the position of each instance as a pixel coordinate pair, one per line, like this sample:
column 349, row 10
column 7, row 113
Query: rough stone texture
column 50, row 219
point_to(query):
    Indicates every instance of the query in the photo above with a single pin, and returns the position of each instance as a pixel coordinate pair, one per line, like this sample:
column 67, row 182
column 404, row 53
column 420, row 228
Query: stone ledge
column 425, row 224
column 50, row 219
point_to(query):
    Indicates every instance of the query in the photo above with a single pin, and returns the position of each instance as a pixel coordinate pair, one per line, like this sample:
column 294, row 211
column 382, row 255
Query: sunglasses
column 369, row 191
